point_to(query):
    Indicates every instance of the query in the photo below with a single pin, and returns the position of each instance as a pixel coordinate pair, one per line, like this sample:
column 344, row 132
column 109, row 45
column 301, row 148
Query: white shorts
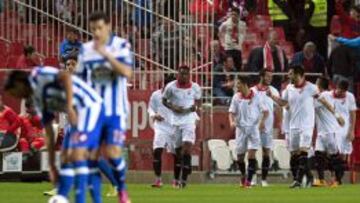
column 184, row 133
column 300, row 139
column 326, row 143
column 246, row 139
column 344, row 145
column 164, row 136
column 266, row 139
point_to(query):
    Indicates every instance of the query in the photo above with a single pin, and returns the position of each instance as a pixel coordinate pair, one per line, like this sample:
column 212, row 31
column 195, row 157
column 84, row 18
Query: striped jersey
column 50, row 96
column 96, row 71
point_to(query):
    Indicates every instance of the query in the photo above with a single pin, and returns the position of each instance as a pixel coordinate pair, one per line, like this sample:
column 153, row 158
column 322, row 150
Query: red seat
column 51, row 61
column 12, row 61
column 16, row 48
column 3, row 48
column 3, row 63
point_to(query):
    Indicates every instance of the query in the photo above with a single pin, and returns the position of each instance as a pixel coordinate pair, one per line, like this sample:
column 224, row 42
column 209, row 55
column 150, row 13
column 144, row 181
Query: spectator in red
column 29, row 59
column 350, row 24
column 310, row 59
column 8, row 115
column 32, row 132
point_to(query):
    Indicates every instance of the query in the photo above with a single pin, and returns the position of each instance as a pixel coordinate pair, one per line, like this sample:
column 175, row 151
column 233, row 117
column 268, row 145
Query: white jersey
column 269, row 103
column 96, row 71
column 157, row 107
column 344, row 106
column 248, row 110
column 301, row 105
column 325, row 121
column 182, row 97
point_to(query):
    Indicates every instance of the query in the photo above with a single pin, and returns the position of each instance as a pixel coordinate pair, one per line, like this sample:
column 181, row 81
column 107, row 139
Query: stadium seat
column 12, row 61
column 16, row 48
column 213, row 143
column 232, row 147
column 3, row 62
column 51, row 61
column 281, row 153
column 221, row 156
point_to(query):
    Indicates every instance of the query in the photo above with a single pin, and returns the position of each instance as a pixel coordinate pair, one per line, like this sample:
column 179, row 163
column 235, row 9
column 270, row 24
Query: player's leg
column 253, row 145
column 81, row 166
column 188, row 140
column 251, row 170
column 304, row 169
column 94, row 182
column 320, row 159
column 177, row 167
column 266, row 142
column 159, row 144
column 106, row 169
column 294, row 148
column 241, row 148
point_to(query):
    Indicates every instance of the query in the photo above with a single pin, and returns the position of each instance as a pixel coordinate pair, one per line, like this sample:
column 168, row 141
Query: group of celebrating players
column 304, row 108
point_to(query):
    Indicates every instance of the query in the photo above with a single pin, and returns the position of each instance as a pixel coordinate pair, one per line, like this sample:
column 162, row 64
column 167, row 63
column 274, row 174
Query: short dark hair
column 356, row 8
column 298, row 69
column 244, row 79
column 72, row 56
column 29, row 103
column 184, row 67
column 28, row 50
column 99, row 15
column 169, row 78
column 343, row 84
column 323, row 82
column 263, row 71
column 72, row 30
column 235, row 10
column 14, row 77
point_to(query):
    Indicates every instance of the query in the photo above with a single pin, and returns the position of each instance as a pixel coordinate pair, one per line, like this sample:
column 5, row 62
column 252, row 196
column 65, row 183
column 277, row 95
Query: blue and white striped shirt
column 50, row 97
column 96, row 71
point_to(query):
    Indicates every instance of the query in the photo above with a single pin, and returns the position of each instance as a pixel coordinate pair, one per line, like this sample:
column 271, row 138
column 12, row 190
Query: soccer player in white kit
column 247, row 114
column 105, row 63
column 266, row 136
column 328, row 122
column 163, row 130
column 344, row 104
column 183, row 96
column 299, row 96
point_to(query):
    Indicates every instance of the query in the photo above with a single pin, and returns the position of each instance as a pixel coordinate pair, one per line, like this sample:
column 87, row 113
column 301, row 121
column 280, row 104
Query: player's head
column 100, row 26
column 296, row 73
column 29, row 105
column 17, row 84
column 229, row 63
column 184, row 74
column 72, row 35
column 243, row 83
column 322, row 83
column 309, row 50
column 235, row 14
column 265, row 76
column 341, row 87
column 273, row 38
column 71, row 62
column 355, row 12
column 29, row 51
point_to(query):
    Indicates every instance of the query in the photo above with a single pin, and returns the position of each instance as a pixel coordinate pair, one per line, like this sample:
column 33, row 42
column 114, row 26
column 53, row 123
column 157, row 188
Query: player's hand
column 72, row 116
column 100, row 48
column 53, row 174
column 340, row 120
column 350, row 136
column 232, row 125
column 157, row 117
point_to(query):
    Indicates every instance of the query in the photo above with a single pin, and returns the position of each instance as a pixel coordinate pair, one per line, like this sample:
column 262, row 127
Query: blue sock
column 66, row 179
column 119, row 170
column 95, row 182
column 106, row 169
column 81, row 180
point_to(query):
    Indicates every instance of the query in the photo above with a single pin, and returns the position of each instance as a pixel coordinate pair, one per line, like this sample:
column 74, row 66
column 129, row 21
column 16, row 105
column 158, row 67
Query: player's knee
column 241, row 157
column 113, row 152
column 186, row 149
column 94, row 154
column 157, row 153
column 251, row 154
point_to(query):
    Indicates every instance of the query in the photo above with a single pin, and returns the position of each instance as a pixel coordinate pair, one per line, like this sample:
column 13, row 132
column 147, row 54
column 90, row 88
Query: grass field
column 32, row 193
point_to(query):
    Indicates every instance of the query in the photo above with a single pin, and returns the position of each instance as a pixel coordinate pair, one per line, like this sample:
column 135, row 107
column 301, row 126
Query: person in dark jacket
column 310, row 59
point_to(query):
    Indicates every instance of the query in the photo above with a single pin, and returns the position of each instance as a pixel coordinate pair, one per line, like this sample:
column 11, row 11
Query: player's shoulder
column 120, row 42
column 171, row 84
column 350, row 95
column 87, row 46
column 195, row 85
column 44, row 70
column 156, row 93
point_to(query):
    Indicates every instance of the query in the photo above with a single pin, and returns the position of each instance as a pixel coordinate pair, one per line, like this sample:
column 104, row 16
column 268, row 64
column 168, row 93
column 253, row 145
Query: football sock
column 251, row 169
column 303, row 166
column 66, row 179
column 294, row 164
column 81, row 180
column 106, row 169
column 265, row 167
column 157, row 161
column 95, row 181
column 320, row 164
column 186, row 167
column 119, row 170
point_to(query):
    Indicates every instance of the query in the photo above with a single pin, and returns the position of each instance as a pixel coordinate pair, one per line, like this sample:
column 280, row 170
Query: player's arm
column 66, row 80
column 50, row 144
column 120, row 68
column 351, row 133
column 330, row 108
column 152, row 110
column 265, row 115
column 281, row 102
column 232, row 119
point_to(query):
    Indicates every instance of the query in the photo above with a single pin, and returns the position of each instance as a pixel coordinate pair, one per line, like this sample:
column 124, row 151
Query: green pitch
column 205, row 193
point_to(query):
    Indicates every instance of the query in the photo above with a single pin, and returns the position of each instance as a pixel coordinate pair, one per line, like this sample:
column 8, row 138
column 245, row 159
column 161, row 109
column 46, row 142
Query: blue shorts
column 87, row 133
column 113, row 132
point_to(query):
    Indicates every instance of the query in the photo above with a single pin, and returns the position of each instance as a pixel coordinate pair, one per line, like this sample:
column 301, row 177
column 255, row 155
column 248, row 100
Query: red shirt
column 30, row 127
column 308, row 64
column 24, row 62
column 350, row 27
column 9, row 120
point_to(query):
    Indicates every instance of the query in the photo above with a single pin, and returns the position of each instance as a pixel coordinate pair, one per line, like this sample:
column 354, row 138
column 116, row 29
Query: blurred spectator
column 279, row 12
column 29, row 59
column 70, row 44
column 32, row 133
column 141, row 17
column 1, row 6
column 232, row 34
column 312, row 61
column 63, row 8
column 271, row 56
column 10, row 117
column 350, row 24
column 224, row 81
column 216, row 53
